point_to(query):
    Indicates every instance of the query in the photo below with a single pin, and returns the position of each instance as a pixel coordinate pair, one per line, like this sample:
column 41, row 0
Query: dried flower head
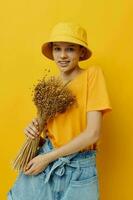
column 52, row 97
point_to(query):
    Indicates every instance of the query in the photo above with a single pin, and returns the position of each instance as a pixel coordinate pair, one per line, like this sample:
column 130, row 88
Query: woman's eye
column 59, row 49
column 56, row 48
column 70, row 49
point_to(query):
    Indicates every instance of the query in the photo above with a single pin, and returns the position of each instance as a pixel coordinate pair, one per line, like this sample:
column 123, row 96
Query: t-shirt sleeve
column 97, row 94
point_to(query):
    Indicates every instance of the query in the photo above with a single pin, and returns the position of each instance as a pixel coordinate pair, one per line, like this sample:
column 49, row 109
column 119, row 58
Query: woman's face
column 66, row 55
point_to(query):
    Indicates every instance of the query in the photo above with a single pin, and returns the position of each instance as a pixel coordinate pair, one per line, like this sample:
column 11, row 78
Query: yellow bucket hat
column 67, row 32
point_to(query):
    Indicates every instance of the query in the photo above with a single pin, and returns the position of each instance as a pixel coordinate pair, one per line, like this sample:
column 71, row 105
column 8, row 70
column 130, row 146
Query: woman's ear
column 82, row 52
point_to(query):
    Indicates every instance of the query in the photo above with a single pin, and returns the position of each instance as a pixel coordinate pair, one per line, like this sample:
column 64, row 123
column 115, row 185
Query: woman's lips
column 63, row 63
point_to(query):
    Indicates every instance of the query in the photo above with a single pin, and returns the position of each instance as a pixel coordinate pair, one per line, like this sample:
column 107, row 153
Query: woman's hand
column 32, row 130
column 37, row 164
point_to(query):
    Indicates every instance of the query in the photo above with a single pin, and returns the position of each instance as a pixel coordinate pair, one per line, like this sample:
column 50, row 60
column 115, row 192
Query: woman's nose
column 63, row 54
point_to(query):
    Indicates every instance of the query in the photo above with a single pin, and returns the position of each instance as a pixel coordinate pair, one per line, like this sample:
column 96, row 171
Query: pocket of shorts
column 85, row 189
column 84, row 186
column 80, row 183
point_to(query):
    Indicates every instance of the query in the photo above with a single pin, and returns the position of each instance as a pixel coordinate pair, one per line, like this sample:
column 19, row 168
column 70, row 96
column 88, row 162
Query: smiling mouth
column 63, row 63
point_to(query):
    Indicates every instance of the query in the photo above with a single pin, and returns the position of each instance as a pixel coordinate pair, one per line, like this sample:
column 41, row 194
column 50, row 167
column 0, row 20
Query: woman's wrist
column 52, row 155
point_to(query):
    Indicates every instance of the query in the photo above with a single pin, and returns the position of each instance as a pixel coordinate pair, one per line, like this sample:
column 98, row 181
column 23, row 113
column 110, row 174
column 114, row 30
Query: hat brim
column 47, row 48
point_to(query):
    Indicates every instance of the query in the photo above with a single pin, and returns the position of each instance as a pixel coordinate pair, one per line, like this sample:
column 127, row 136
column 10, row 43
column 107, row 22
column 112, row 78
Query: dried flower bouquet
column 51, row 97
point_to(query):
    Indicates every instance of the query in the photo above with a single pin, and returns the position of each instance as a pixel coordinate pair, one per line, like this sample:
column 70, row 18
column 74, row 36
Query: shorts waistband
column 75, row 160
column 82, row 157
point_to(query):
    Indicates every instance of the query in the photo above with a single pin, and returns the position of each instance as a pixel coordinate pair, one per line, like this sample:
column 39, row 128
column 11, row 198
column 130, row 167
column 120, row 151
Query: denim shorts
column 72, row 177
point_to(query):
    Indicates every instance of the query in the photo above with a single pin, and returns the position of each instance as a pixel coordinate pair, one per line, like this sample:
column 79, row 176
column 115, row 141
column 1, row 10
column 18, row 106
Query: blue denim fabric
column 72, row 177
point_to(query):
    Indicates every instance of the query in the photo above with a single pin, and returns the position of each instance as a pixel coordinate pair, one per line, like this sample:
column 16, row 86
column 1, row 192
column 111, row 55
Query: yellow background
column 24, row 25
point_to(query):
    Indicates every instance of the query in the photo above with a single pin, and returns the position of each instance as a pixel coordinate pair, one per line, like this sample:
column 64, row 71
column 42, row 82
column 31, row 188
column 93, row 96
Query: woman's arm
column 89, row 136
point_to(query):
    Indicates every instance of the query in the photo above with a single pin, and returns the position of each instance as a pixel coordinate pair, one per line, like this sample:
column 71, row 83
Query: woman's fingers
column 32, row 129
column 29, row 133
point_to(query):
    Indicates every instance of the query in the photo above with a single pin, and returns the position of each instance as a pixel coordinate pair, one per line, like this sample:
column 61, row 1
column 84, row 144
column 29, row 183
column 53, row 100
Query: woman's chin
column 64, row 69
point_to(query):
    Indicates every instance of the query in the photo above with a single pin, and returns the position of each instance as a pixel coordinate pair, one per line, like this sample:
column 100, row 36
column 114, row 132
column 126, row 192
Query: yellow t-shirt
column 91, row 92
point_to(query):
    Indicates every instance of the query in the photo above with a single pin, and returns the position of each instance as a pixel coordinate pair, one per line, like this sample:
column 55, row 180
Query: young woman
column 65, row 166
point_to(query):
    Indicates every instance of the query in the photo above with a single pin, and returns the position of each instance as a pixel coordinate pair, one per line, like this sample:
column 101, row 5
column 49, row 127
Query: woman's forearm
column 83, row 140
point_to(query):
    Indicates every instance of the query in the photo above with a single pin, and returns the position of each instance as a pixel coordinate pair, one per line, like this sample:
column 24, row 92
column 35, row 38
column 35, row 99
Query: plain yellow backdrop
column 24, row 26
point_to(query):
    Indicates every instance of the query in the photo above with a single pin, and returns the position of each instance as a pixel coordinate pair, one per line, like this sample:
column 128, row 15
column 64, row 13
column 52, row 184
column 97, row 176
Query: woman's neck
column 71, row 74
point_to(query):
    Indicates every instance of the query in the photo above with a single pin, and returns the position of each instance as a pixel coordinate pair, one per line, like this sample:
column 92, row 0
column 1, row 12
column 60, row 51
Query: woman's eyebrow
column 72, row 45
column 55, row 44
